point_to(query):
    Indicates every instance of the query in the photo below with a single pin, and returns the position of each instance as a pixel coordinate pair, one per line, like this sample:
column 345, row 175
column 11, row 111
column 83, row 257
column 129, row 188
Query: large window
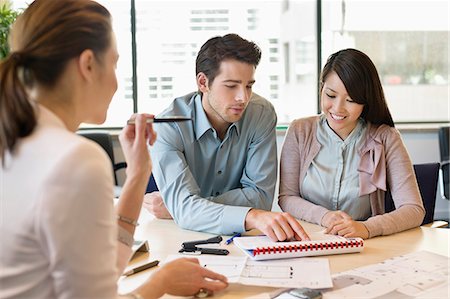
column 169, row 34
column 407, row 40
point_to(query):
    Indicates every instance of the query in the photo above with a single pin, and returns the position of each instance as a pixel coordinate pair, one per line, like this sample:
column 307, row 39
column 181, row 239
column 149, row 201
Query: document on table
column 417, row 275
column 312, row 273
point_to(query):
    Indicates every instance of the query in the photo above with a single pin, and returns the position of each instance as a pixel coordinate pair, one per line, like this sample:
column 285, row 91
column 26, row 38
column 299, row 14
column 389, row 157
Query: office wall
column 422, row 144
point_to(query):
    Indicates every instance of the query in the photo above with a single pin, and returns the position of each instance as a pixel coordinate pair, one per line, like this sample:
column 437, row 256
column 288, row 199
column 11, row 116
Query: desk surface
column 165, row 238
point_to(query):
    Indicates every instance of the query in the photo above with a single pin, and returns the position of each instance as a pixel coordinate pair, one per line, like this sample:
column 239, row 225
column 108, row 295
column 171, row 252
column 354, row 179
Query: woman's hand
column 340, row 223
column 134, row 140
column 182, row 277
column 333, row 216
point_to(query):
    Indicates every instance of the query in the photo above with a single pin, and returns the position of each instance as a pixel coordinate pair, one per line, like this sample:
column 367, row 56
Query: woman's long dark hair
column 360, row 78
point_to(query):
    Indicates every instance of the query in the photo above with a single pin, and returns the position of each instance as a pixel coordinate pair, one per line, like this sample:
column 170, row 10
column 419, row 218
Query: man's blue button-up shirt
column 209, row 184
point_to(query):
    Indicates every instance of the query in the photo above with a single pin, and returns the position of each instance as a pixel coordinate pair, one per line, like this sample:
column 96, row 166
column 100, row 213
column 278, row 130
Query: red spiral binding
column 308, row 247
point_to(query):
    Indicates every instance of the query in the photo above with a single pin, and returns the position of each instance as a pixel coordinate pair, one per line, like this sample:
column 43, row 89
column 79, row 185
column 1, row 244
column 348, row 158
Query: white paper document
column 417, row 275
column 289, row 273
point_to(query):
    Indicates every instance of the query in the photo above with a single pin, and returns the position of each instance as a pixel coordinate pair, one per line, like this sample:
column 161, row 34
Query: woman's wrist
column 135, row 295
column 154, row 287
column 136, row 184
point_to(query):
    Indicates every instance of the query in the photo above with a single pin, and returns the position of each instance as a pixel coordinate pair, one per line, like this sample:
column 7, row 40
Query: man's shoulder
column 257, row 100
column 182, row 105
column 260, row 107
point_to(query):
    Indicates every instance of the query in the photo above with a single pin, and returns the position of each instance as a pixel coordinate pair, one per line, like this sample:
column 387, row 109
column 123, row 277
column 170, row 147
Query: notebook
column 262, row 248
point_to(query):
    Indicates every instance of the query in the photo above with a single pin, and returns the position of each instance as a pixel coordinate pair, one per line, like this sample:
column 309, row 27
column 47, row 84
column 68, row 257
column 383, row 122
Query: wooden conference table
column 165, row 238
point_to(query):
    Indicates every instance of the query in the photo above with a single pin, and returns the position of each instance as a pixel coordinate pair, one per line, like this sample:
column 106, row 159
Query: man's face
column 226, row 99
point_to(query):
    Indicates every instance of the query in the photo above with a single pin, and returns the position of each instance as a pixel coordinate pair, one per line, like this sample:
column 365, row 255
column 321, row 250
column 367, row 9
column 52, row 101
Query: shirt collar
column 202, row 124
column 354, row 135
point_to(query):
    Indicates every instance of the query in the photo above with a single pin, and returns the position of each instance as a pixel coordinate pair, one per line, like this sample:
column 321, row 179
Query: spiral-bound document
column 262, row 248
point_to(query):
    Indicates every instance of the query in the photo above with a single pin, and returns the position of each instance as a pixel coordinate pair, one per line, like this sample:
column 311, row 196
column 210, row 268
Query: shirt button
column 217, row 193
column 219, row 172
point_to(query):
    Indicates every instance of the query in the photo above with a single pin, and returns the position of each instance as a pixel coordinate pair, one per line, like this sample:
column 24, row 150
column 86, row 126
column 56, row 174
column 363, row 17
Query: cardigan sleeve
column 409, row 211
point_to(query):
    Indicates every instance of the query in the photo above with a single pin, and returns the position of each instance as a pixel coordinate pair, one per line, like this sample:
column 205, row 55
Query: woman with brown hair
column 61, row 235
column 336, row 167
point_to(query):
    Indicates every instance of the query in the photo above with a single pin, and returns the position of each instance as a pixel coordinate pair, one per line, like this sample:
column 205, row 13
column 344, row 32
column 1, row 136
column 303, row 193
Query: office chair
column 104, row 139
column 151, row 187
column 427, row 179
column 444, row 171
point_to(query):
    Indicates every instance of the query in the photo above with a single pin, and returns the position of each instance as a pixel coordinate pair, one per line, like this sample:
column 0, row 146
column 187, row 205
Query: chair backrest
column 151, row 187
column 427, row 179
column 444, row 133
column 104, row 139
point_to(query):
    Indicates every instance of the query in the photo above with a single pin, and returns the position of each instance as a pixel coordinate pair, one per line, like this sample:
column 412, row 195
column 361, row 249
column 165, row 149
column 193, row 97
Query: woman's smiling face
column 341, row 111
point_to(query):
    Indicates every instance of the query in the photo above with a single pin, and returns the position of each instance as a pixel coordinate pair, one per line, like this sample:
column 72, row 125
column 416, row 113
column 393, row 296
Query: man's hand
column 277, row 226
column 155, row 205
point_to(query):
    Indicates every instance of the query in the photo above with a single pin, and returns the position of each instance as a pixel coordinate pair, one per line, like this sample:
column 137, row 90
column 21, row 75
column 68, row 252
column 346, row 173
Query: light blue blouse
column 332, row 179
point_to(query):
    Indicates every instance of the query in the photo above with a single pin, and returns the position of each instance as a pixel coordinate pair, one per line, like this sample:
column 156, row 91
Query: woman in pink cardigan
column 336, row 167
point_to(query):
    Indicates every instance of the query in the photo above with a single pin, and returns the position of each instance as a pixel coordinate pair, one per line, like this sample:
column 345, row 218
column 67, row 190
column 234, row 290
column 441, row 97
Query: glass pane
column 121, row 106
column 408, row 42
column 170, row 33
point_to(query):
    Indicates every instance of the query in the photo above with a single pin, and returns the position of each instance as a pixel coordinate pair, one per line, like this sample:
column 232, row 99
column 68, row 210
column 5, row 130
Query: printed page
column 229, row 266
column 289, row 273
column 417, row 275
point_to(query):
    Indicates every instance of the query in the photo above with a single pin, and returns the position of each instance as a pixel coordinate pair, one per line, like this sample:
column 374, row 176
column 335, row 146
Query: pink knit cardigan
column 384, row 161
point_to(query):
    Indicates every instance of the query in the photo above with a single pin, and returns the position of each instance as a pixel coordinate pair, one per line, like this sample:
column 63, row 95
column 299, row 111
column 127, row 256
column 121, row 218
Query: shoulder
column 181, row 105
column 80, row 158
column 382, row 133
column 260, row 110
column 74, row 170
column 259, row 102
column 304, row 126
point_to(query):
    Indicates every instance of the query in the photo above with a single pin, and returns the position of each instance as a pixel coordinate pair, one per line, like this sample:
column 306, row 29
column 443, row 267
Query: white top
column 57, row 225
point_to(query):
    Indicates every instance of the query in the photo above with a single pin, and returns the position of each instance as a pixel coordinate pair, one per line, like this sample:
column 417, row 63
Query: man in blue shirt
column 217, row 173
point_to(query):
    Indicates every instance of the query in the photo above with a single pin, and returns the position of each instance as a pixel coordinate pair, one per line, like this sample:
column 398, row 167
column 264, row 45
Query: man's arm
column 180, row 191
column 229, row 212
column 259, row 174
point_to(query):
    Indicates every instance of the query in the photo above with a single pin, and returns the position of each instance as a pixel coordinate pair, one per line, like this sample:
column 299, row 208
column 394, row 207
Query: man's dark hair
column 220, row 48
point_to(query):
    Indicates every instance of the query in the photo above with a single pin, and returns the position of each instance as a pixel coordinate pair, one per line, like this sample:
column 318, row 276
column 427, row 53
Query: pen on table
column 163, row 119
column 141, row 268
column 231, row 239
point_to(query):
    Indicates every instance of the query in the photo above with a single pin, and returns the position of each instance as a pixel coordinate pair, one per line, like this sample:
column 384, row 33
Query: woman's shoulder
column 66, row 150
column 383, row 132
column 81, row 150
column 305, row 124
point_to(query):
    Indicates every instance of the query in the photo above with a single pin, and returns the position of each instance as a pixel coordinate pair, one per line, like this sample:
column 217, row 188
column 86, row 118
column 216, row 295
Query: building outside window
column 407, row 40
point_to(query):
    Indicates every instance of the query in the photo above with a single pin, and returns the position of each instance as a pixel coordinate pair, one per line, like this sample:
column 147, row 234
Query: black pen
column 162, row 119
column 141, row 268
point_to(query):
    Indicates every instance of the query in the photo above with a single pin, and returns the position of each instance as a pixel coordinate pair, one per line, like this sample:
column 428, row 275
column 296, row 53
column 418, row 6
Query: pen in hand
column 162, row 119
column 141, row 268
column 227, row 242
